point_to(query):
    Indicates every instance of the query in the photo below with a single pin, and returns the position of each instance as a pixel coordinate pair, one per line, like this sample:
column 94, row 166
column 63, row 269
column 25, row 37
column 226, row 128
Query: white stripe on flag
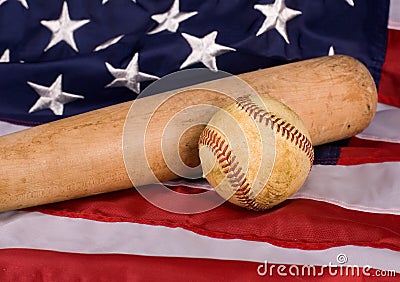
column 45, row 232
column 371, row 188
column 394, row 14
column 7, row 128
column 384, row 126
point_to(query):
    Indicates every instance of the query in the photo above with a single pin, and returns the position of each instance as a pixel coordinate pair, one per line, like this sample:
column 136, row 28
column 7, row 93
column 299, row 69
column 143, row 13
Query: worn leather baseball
column 256, row 152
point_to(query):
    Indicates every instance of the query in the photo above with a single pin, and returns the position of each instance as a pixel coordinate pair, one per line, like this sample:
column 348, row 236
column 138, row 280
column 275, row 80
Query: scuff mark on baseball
column 256, row 152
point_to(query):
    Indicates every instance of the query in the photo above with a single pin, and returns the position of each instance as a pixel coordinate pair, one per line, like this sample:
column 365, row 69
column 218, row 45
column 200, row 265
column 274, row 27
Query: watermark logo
column 158, row 142
column 330, row 269
column 341, row 258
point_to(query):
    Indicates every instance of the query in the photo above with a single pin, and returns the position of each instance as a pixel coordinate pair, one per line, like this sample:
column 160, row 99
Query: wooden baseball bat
column 83, row 155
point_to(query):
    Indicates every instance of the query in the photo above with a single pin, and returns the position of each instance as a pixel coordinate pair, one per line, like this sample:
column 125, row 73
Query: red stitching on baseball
column 227, row 159
column 230, row 167
column 291, row 134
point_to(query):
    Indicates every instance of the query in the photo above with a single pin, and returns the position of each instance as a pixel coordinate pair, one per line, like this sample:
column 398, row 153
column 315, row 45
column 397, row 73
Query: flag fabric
column 61, row 58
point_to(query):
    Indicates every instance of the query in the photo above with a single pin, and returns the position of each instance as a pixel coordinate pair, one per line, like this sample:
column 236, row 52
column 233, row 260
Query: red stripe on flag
column 304, row 224
column 389, row 85
column 38, row 265
column 360, row 151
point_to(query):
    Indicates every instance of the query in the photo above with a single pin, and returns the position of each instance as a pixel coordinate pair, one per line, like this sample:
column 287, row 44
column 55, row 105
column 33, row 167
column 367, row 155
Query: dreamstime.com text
column 341, row 269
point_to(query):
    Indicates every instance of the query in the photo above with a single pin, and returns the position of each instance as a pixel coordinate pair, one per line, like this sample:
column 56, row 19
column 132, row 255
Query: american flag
column 62, row 58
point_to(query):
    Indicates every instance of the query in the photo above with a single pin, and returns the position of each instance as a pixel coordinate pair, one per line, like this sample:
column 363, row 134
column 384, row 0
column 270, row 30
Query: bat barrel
column 335, row 96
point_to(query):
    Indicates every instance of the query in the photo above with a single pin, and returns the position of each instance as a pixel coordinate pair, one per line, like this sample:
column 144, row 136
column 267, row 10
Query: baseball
column 256, row 152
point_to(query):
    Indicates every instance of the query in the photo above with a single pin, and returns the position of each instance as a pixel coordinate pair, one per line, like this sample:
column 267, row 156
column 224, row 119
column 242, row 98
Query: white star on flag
column 23, row 3
column 170, row 19
column 331, row 51
column 204, row 50
column 351, row 2
column 63, row 28
column 129, row 77
column 52, row 97
column 105, row 1
column 108, row 43
column 277, row 15
column 5, row 58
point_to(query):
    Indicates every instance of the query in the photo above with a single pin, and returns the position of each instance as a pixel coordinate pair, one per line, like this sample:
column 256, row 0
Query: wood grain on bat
column 82, row 155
